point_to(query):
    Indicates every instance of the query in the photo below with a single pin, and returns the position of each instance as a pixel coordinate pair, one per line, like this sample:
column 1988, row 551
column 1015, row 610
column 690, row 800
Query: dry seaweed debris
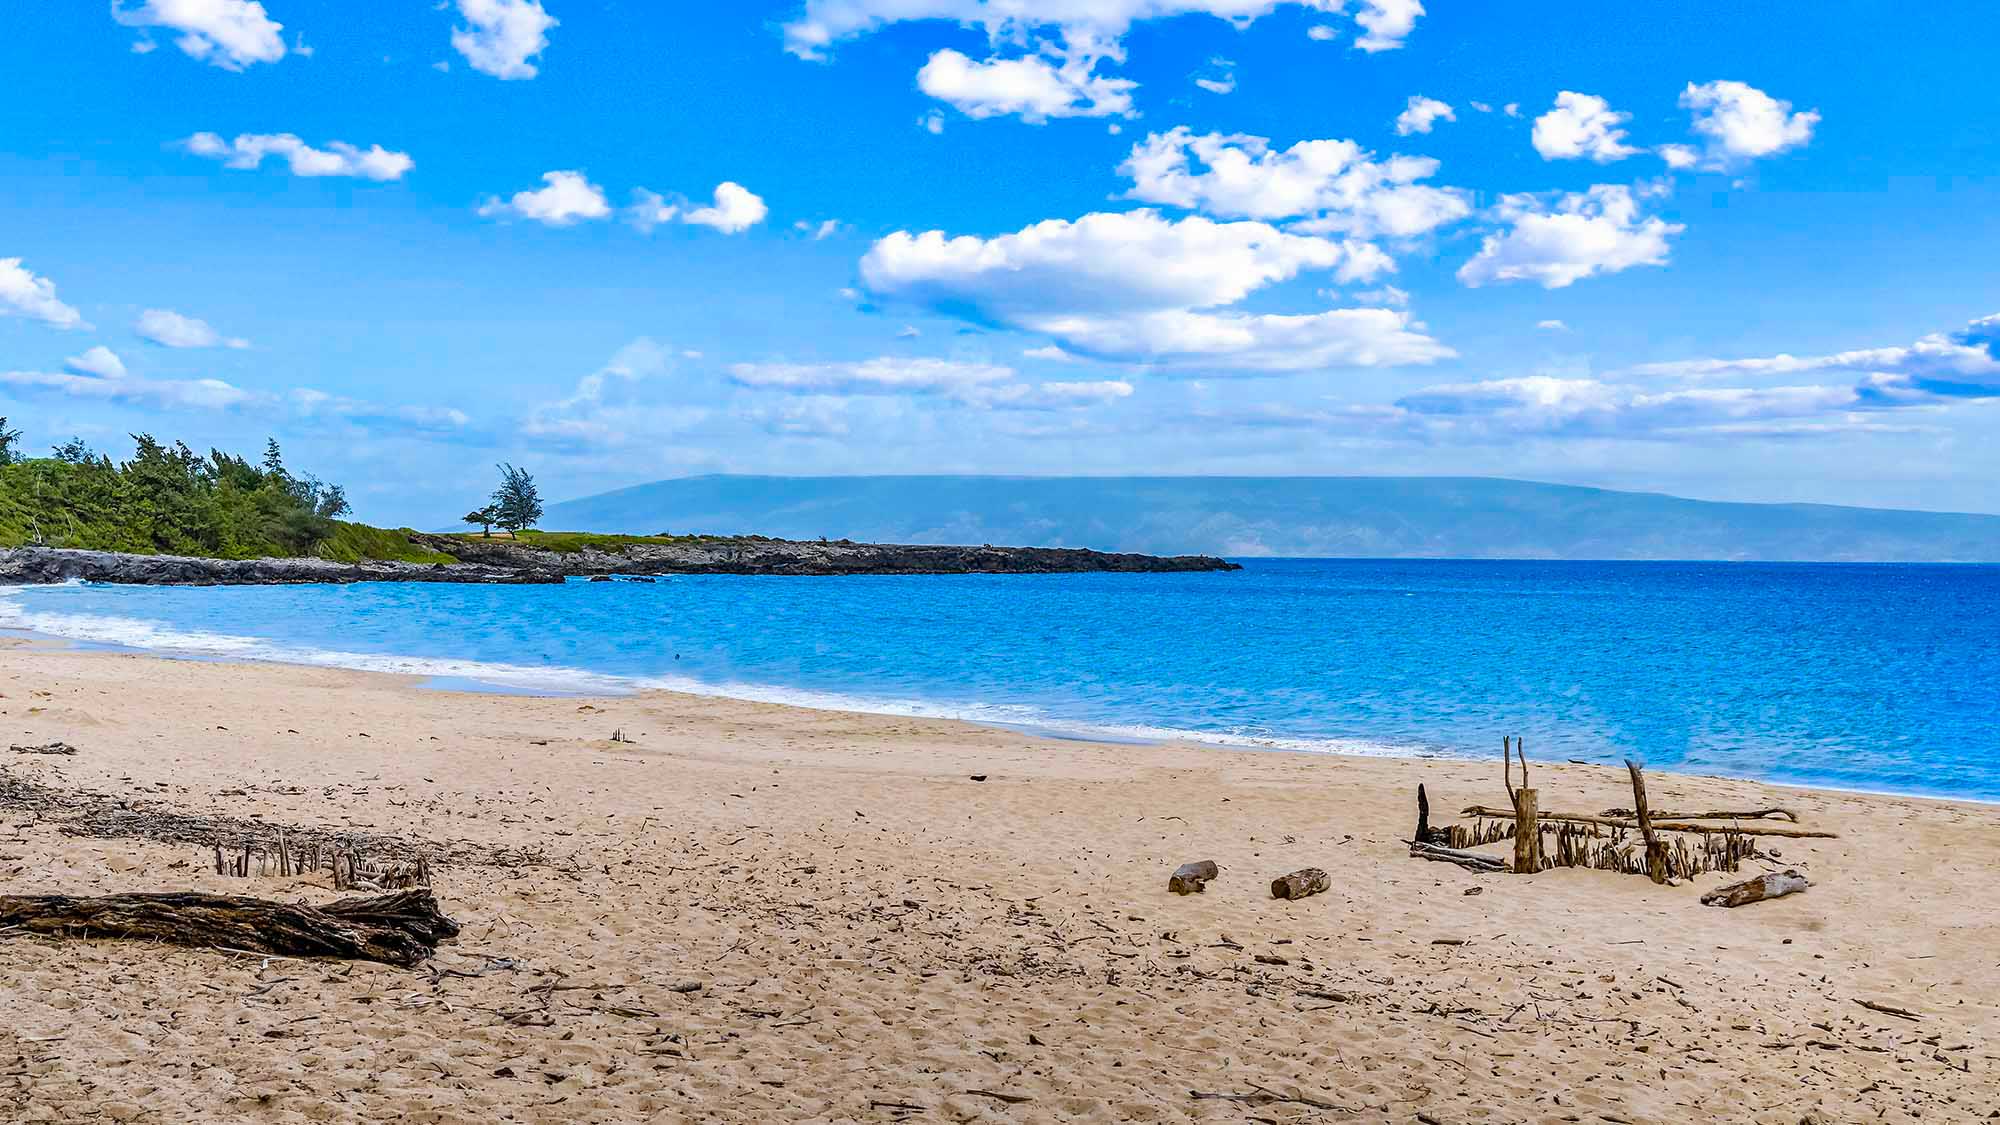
column 97, row 816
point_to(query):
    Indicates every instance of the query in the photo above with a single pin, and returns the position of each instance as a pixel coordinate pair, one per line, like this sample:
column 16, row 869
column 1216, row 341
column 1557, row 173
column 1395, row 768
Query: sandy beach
column 876, row 936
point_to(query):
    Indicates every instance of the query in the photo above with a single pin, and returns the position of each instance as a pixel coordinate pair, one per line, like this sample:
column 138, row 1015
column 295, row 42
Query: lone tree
column 517, row 504
column 9, row 444
column 484, row 517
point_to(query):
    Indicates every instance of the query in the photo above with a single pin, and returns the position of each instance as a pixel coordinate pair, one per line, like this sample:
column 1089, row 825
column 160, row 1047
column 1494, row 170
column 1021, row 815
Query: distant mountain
column 1384, row 517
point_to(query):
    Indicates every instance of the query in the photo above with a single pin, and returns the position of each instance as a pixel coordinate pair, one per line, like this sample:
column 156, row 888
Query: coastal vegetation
column 517, row 503
column 168, row 499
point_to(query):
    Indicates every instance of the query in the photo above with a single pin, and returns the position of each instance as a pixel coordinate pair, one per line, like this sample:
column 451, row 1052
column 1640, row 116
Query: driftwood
column 1471, row 861
column 1658, row 824
column 1192, row 878
column 1426, row 834
column 1656, row 852
column 1776, row 884
column 1527, row 830
column 1889, row 1010
column 1752, row 814
column 62, row 748
column 398, row 929
column 1299, row 884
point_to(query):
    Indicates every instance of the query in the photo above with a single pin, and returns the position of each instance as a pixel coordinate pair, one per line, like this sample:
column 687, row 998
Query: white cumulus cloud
column 100, row 362
column 500, row 36
column 338, row 158
column 1385, row 24
column 1336, row 186
column 1033, row 87
column 1740, row 122
column 735, row 210
column 23, row 293
column 231, row 34
column 1045, row 53
column 1138, row 287
column 1582, row 125
column 568, row 198
column 1421, row 113
column 1556, row 243
column 170, row 329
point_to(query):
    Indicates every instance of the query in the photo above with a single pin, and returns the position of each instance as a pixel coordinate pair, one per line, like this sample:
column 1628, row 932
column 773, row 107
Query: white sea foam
column 135, row 633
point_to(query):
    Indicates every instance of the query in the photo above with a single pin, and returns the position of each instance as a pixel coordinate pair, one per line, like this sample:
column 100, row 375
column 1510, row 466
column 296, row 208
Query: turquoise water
column 1874, row 677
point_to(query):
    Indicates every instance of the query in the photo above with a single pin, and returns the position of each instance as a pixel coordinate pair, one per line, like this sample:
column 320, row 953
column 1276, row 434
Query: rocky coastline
column 502, row 561
column 45, row 565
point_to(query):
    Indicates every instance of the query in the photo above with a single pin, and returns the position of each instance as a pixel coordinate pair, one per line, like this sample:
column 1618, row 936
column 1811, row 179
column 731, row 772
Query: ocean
column 1854, row 676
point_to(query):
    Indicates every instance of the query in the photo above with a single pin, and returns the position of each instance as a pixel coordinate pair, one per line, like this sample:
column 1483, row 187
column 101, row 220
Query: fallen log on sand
column 1299, row 884
column 1658, row 824
column 1752, row 814
column 1776, row 884
column 397, row 929
column 1192, row 878
column 1471, row 861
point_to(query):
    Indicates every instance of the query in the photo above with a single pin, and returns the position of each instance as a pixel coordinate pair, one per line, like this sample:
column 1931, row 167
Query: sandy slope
column 872, row 929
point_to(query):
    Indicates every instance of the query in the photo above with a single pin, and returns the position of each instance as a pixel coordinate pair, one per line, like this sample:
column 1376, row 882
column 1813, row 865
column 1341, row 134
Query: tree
column 274, row 462
column 75, row 451
column 517, row 504
column 9, row 440
column 484, row 517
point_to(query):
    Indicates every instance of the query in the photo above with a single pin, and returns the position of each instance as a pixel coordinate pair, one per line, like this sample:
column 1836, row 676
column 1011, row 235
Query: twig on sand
column 1263, row 1096
column 1889, row 1010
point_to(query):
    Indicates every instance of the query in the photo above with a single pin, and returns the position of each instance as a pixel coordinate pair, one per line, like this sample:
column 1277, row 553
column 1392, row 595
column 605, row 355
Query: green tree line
column 167, row 499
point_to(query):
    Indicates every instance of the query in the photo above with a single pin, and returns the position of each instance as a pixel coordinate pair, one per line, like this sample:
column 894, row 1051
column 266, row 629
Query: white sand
column 870, row 926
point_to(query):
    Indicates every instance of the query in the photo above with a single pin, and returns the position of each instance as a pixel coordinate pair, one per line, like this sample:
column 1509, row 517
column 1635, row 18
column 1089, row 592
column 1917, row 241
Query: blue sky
column 1728, row 251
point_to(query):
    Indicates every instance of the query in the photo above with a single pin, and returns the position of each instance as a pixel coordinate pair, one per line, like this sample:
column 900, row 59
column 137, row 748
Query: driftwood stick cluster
column 1634, row 841
column 402, row 928
column 349, row 868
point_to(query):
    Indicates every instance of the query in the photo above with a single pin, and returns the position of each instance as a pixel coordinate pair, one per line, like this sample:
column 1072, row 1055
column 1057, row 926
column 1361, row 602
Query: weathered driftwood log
column 1299, row 884
column 398, row 929
column 1527, row 831
column 1656, row 851
column 1658, row 824
column 1425, row 833
column 1472, row 861
column 1751, row 814
column 1192, row 878
column 1776, row 884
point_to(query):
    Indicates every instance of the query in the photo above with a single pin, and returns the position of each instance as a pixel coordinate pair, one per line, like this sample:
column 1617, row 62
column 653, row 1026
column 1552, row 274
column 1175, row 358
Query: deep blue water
column 1874, row 677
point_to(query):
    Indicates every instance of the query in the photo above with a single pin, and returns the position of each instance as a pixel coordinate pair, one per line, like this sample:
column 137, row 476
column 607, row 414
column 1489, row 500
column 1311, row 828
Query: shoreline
column 754, row 912
column 1101, row 735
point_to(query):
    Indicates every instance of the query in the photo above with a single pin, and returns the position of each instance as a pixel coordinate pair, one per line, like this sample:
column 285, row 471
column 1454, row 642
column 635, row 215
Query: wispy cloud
column 338, row 158
column 170, row 329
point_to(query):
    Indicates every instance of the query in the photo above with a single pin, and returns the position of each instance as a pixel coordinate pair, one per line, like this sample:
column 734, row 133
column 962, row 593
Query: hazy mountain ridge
column 1389, row 517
